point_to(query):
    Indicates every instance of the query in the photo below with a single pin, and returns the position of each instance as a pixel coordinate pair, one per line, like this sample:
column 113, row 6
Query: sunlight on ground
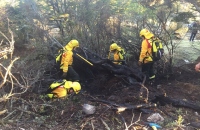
column 186, row 52
column 182, row 31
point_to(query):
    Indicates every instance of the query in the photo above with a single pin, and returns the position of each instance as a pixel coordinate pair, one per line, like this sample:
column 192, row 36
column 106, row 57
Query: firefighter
column 68, row 71
column 62, row 88
column 145, row 59
column 116, row 54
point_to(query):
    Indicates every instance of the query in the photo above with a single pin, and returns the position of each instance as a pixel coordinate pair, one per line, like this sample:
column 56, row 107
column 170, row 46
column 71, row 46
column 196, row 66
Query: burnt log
column 95, row 64
column 163, row 100
column 195, row 124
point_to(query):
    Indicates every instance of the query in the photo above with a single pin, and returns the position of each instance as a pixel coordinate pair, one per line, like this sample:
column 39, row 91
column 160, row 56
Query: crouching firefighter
column 62, row 88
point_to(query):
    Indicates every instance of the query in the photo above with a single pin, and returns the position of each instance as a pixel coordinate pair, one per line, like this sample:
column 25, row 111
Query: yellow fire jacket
column 61, row 89
column 58, row 92
column 116, row 56
column 146, row 52
column 67, row 58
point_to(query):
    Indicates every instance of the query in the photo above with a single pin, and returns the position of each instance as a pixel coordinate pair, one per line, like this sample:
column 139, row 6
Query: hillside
column 33, row 111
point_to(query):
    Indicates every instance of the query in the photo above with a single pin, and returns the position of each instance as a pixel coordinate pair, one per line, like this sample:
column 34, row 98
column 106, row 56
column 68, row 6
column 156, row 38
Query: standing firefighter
column 145, row 59
column 116, row 54
column 66, row 61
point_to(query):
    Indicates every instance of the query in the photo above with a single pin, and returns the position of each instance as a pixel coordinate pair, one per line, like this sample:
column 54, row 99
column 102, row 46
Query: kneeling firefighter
column 62, row 88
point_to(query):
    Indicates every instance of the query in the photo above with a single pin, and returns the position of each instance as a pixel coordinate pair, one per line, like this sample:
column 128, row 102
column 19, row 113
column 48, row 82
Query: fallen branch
column 106, row 125
column 121, row 107
column 105, row 65
column 84, row 124
column 163, row 100
column 135, row 124
column 92, row 124
column 3, row 111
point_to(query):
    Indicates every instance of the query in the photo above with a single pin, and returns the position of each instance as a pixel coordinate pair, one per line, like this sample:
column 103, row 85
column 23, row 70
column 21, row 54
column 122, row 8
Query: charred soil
column 33, row 111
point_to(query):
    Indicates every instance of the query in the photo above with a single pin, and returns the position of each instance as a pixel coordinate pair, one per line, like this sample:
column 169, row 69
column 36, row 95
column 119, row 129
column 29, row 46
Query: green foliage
column 180, row 120
column 87, row 21
column 170, row 123
column 176, row 123
column 179, row 111
column 183, row 17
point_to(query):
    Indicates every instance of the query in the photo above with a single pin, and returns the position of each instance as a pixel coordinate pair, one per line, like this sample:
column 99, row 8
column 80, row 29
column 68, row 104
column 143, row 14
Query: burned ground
column 108, row 92
column 39, row 113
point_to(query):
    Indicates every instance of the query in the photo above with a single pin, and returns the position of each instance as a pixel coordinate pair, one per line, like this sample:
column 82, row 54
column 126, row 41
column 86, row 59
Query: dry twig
column 132, row 123
column 105, row 124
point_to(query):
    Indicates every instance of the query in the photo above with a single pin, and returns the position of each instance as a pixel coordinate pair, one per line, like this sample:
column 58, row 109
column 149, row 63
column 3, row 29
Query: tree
column 195, row 3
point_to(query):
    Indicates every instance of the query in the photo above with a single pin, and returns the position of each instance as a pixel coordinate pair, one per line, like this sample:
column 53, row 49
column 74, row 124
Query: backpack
column 122, row 56
column 58, row 84
column 157, row 48
column 123, row 53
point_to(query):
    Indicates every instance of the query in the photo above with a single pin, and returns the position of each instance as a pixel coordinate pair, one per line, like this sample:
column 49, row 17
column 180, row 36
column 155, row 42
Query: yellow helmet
column 146, row 33
column 74, row 85
column 113, row 46
column 72, row 44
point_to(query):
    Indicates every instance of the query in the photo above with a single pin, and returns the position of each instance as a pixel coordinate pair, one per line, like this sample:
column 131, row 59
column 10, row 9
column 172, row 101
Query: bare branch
column 105, row 124
column 7, row 72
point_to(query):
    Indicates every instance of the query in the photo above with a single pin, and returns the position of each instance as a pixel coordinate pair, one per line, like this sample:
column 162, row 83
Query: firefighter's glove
column 139, row 63
column 64, row 75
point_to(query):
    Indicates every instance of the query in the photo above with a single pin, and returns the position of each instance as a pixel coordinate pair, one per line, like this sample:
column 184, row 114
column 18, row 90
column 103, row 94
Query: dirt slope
column 34, row 112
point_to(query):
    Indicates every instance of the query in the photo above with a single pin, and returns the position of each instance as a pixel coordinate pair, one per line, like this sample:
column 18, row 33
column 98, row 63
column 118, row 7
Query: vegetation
column 31, row 32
